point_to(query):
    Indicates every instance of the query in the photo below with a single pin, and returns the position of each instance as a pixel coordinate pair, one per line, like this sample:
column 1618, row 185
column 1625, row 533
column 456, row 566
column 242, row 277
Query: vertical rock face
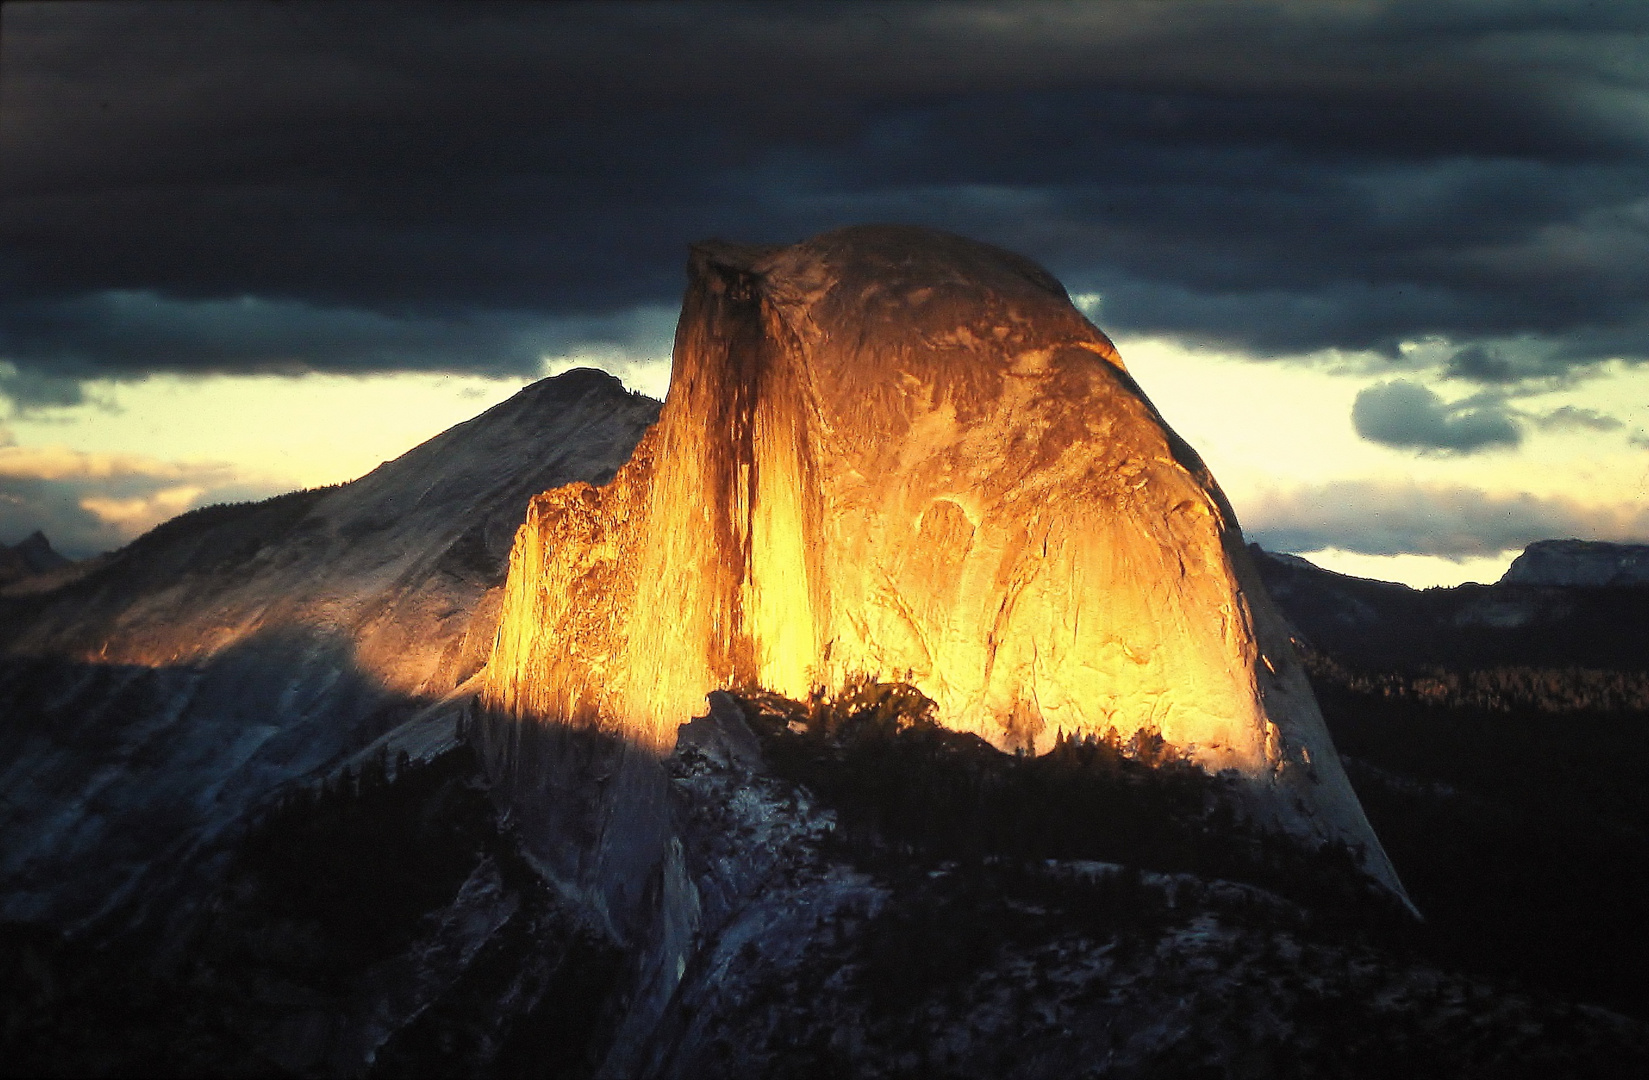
column 895, row 452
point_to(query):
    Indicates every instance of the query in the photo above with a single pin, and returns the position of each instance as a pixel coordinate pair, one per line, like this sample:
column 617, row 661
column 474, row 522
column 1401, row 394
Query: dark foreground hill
column 387, row 924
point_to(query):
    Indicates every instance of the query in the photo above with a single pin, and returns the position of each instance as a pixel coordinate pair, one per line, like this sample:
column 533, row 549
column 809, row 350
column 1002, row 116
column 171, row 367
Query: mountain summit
column 894, row 453
column 31, row 555
column 1592, row 563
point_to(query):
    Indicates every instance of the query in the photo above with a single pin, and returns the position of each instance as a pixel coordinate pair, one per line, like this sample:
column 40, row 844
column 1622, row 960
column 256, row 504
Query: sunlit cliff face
column 899, row 453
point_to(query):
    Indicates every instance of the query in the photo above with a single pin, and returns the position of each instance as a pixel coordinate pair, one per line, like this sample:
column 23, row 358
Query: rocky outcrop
column 898, row 453
column 1592, row 563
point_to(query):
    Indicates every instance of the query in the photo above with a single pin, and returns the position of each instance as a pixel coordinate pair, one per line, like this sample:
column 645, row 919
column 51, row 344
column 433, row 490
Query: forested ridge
column 1495, row 737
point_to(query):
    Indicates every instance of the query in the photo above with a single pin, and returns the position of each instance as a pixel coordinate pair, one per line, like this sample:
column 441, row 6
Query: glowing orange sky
column 1277, row 434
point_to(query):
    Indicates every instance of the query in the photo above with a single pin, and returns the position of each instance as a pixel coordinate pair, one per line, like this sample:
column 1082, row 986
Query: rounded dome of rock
column 894, row 452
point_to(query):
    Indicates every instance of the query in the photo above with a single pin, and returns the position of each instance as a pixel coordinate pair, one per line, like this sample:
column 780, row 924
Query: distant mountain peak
column 1593, row 563
column 29, row 556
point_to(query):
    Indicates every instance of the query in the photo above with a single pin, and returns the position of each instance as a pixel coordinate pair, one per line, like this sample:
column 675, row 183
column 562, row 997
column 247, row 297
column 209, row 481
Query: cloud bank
column 1452, row 521
column 359, row 186
column 92, row 502
column 501, row 189
column 1407, row 415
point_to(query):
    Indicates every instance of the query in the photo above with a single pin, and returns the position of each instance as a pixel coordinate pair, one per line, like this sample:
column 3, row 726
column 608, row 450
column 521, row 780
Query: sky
column 1385, row 264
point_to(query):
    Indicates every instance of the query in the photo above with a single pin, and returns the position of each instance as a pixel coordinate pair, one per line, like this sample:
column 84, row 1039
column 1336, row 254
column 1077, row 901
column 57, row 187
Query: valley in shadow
column 1496, row 738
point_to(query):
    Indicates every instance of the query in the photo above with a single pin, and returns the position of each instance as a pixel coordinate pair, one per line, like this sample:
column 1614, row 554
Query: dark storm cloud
column 133, row 332
column 453, row 186
column 1376, row 518
column 1480, row 363
column 1574, row 418
column 1407, row 415
column 31, row 389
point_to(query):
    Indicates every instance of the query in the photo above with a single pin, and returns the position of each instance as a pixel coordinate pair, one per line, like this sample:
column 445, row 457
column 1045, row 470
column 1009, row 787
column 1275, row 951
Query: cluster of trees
column 328, row 881
column 283, row 509
column 1519, row 833
column 936, row 932
column 1504, row 689
column 1501, row 761
column 360, row 859
column 905, row 789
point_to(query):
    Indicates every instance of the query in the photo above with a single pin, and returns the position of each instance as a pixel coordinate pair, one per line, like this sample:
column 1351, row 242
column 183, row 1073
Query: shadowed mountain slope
column 150, row 702
column 1381, row 625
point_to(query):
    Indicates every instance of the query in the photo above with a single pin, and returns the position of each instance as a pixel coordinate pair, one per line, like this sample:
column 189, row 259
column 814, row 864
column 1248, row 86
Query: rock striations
column 896, row 453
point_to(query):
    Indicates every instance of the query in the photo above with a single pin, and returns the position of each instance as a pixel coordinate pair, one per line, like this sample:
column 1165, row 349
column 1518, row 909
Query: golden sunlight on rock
column 894, row 452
